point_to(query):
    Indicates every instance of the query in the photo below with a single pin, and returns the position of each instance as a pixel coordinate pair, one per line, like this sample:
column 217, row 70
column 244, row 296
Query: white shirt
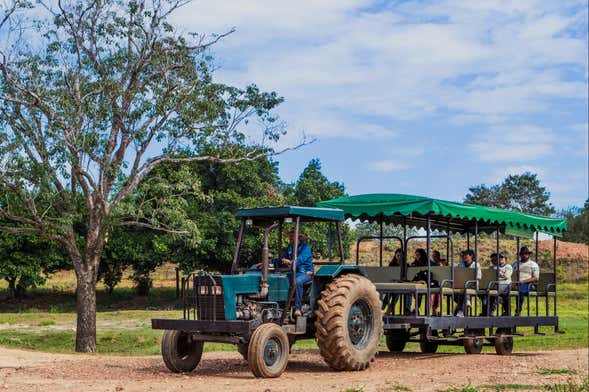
column 504, row 273
column 527, row 270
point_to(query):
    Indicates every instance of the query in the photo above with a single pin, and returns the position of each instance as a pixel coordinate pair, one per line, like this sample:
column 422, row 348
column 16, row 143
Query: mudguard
column 326, row 274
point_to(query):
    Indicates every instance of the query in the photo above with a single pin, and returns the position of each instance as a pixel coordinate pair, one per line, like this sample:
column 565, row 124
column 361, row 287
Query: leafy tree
column 108, row 92
column 578, row 224
column 521, row 192
column 311, row 187
column 26, row 261
column 224, row 190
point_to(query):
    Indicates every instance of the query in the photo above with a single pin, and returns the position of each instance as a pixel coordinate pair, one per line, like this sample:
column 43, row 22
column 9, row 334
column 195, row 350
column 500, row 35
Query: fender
column 326, row 274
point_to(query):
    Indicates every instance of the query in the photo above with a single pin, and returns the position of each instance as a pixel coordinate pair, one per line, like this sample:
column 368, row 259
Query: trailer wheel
column 268, row 351
column 181, row 353
column 428, row 346
column 503, row 344
column 349, row 322
column 473, row 345
column 397, row 340
column 242, row 349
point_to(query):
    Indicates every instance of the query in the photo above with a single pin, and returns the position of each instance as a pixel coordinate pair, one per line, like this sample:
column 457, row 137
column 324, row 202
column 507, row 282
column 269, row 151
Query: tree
column 108, row 92
column 26, row 261
column 521, row 192
column 578, row 224
column 311, row 187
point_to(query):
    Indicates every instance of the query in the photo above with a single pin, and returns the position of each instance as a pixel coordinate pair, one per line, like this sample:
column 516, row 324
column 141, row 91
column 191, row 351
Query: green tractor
column 253, row 306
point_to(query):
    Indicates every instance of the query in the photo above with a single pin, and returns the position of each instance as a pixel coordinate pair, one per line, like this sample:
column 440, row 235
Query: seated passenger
column 505, row 271
column 397, row 259
column 421, row 259
column 463, row 300
column 389, row 301
column 437, row 259
column 528, row 272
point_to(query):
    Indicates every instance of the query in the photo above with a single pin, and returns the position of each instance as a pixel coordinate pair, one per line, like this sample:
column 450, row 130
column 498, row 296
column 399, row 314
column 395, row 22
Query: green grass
column 570, row 386
column 46, row 321
column 545, row 371
column 511, row 387
column 401, row 388
column 468, row 388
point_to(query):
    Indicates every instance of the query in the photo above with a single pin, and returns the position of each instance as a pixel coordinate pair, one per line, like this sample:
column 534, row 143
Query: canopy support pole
column 329, row 242
column 537, row 255
column 428, row 245
column 496, row 277
column 237, row 246
column 467, row 239
column 340, row 243
column 293, row 266
column 279, row 240
column 381, row 240
column 476, row 261
column 404, row 248
column 555, row 279
column 448, row 242
column 476, row 240
column 517, row 243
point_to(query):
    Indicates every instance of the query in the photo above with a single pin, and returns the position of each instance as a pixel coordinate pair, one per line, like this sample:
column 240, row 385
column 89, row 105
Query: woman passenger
column 392, row 299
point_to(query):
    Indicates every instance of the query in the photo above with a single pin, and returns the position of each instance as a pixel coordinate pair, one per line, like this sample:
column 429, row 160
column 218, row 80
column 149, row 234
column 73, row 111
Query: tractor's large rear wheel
column 268, row 349
column 181, row 353
column 349, row 322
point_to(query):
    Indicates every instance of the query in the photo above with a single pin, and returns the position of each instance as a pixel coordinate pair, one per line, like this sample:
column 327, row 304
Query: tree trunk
column 86, row 267
column 86, row 312
column 11, row 288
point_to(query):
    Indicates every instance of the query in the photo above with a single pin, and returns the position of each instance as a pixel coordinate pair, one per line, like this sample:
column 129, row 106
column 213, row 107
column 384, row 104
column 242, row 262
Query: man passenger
column 528, row 272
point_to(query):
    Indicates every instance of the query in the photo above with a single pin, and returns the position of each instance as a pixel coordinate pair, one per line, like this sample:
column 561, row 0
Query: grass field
column 46, row 321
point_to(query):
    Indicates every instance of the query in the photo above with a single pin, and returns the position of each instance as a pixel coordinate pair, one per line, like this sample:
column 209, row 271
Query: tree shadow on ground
column 61, row 301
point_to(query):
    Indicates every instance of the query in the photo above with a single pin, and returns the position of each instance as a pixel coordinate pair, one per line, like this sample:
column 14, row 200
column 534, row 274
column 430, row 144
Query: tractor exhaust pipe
column 263, row 293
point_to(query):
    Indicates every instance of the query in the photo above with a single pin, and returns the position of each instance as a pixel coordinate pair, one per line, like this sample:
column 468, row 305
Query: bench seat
column 542, row 294
column 401, row 286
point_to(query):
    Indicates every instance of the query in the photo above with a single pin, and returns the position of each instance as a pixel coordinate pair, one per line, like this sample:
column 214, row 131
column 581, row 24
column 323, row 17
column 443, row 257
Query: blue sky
column 417, row 97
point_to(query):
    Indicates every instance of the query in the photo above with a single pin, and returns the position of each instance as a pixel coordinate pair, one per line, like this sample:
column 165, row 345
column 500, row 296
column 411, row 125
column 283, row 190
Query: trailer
column 451, row 326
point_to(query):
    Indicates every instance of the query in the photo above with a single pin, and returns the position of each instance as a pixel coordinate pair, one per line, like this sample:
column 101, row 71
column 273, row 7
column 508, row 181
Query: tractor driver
column 304, row 271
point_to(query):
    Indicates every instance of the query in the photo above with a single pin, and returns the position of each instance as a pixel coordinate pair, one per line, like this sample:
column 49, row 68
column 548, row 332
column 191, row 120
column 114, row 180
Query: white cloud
column 520, row 143
column 487, row 62
column 388, row 165
column 499, row 174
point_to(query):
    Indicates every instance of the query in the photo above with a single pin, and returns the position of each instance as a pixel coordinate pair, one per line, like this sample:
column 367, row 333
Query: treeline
column 199, row 197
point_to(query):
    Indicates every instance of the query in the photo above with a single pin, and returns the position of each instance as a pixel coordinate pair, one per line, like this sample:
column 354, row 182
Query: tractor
column 252, row 307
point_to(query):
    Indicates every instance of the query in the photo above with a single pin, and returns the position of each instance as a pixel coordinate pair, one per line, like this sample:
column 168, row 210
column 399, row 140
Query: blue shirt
column 304, row 257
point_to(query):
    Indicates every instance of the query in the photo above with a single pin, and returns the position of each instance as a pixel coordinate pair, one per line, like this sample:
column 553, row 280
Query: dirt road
column 22, row 370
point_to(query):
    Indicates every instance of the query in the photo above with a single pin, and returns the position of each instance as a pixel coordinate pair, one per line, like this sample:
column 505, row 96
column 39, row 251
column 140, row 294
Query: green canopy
column 306, row 213
column 458, row 217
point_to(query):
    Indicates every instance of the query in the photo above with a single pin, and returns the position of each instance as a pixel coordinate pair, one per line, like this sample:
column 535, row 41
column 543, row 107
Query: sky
column 417, row 97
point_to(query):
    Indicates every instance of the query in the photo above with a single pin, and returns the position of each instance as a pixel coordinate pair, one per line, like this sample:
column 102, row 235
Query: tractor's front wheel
column 349, row 322
column 242, row 349
column 180, row 351
column 268, row 349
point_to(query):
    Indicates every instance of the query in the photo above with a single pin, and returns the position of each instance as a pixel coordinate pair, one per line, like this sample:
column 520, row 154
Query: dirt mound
column 567, row 250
